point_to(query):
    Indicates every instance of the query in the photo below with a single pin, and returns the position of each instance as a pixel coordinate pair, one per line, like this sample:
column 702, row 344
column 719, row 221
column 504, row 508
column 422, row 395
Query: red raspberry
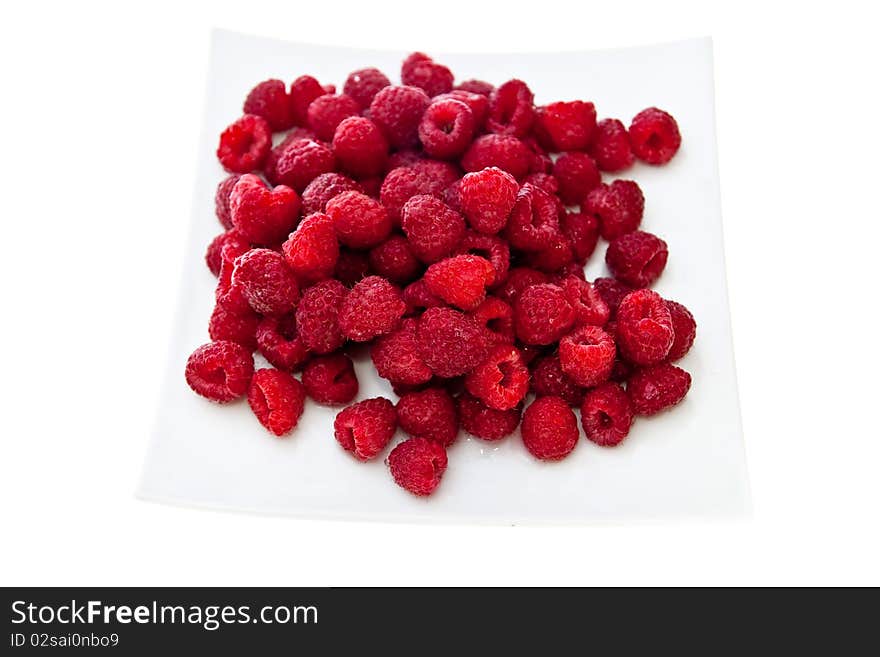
column 476, row 87
column 450, row 343
column 417, row 465
column 487, row 423
column 366, row 427
column 318, row 193
column 280, row 343
column 447, row 128
column 262, row 215
column 374, row 307
column 360, row 147
column 402, row 183
column 618, row 207
column 351, row 267
column 394, row 259
column 327, row 111
column 549, row 379
column 644, row 328
column 654, row 136
column 364, row 84
column 542, row 314
column 299, row 162
column 573, row 269
column 398, row 111
column 495, row 317
column 419, row 70
column 606, row 415
column 461, row 280
column 360, row 222
column 539, row 160
column 587, row 355
column 317, row 316
column 404, row 158
column 311, row 250
column 518, row 280
column 234, row 321
column 565, row 126
column 685, row 328
column 577, row 174
column 277, row 399
column 637, row 258
column 582, row 231
column 220, row 371
column 549, row 428
column 492, row 248
column 656, row 388
column 451, row 196
column 534, row 222
column 433, row 229
column 221, row 199
column 502, row 151
column 232, row 241
column 589, row 307
column 303, row 91
column 396, row 356
column 269, row 99
column 330, row 380
column 429, row 413
column 544, row 181
column 487, row 199
column 245, row 144
column 553, row 259
column 610, row 147
column 266, row 281
column 478, row 104
column 612, row 292
column 417, row 297
column 511, row 109
column 501, row 381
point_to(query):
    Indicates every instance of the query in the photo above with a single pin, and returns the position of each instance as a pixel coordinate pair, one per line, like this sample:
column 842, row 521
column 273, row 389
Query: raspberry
column 429, row 413
column 487, row 423
column 317, row 316
column 587, row 355
column 582, row 231
column 577, row 174
column 511, row 109
column 327, row 111
column 461, row 280
column 366, row 427
column 475, row 87
column 266, row 281
column 330, row 380
column 553, row 259
column 299, row 162
column 360, row 147
column 311, row 250
column 277, row 399
column 280, row 343
column 263, row 216
column 245, row 144
column 644, row 328
column 565, row 126
column 220, row 371
column 450, row 343
column 398, row 111
column 360, row 222
column 542, row 314
column 404, row 158
column 612, row 292
column 589, row 307
column 451, row 196
column 269, row 99
column 685, row 329
column 492, row 248
column 221, row 199
column 534, row 222
column 549, row 379
column 606, row 415
column 394, row 259
column 447, row 128
column 487, row 199
column 495, row 317
column 478, row 104
column 374, row 307
column 637, row 258
column 544, row 181
column 438, row 174
column 502, row 151
column 539, row 160
column 396, row 356
column 518, row 280
column 234, row 322
column 318, row 193
column 549, row 428
column 351, row 266
column 656, row 388
column 610, row 147
column 303, row 91
column 432, row 228
column 417, row 465
column 419, row 70
column 654, row 136
column 402, row 183
column 363, row 85
column 417, row 297
column 501, row 381
column 232, row 241
column 618, row 207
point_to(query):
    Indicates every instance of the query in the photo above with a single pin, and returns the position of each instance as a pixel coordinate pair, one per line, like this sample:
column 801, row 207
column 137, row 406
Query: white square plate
column 685, row 463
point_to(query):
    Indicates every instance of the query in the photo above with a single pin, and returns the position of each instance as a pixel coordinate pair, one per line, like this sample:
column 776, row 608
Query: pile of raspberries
column 447, row 227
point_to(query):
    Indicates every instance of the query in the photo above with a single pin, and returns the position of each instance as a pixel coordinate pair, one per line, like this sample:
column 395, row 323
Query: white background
column 100, row 121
